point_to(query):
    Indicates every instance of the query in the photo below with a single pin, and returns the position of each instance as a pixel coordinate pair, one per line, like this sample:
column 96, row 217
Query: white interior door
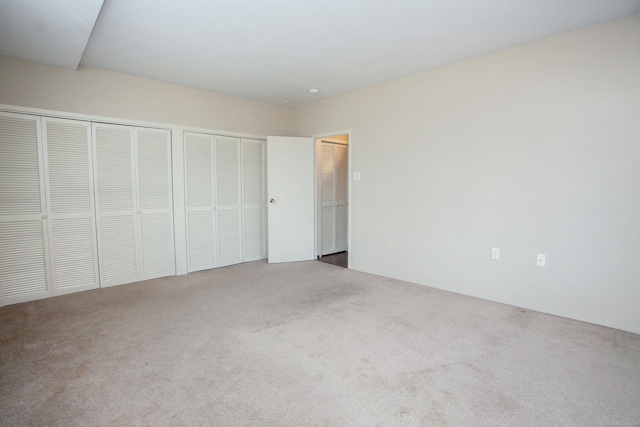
column 290, row 188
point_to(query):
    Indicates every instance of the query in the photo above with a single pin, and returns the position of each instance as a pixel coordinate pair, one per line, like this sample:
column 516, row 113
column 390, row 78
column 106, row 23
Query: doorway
column 332, row 163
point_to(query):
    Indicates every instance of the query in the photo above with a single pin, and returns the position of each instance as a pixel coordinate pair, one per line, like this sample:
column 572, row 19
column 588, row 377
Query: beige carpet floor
column 306, row 344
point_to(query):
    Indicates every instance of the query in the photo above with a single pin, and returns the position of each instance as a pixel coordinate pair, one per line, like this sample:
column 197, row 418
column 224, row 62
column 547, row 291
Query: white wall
column 532, row 150
column 104, row 93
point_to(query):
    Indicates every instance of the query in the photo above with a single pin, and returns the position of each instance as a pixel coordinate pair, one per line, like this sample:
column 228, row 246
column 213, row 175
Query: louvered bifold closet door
column 228, row 200
column 254, row 203
column 24, row 269
column 201, row 215
column 341, row 160
column 69, row 184
column 155, row 210
column 118, row 242
column 328, row 199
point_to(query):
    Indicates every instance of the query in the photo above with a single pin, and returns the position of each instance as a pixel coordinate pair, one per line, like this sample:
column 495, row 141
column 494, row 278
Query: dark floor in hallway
column 341, row 259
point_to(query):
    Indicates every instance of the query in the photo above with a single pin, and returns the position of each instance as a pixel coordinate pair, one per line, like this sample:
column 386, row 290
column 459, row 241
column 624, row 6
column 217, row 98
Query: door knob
column 272, row 200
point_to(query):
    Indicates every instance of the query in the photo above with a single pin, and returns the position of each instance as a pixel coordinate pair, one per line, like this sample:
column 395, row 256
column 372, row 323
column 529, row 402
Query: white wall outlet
column 541, row 260
column 495, row 253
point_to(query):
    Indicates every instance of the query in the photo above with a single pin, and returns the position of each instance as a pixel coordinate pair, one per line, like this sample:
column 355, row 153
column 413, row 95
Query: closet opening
column 332, row 163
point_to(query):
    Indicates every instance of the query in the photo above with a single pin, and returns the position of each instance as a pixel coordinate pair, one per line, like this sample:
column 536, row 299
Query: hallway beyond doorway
column 341, row 259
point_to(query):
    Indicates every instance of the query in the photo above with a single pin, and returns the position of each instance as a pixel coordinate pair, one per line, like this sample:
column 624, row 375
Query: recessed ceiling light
column 314, row 91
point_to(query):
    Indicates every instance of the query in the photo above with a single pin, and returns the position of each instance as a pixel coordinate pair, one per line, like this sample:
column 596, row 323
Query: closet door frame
column 334, row 204
column 351, row 177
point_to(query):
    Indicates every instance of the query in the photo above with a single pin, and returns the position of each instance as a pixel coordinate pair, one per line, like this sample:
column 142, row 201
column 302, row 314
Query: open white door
column 290, row 189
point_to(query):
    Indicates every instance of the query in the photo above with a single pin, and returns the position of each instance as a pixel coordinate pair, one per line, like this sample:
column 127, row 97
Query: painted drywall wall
column 531, row 150
column 104, row 93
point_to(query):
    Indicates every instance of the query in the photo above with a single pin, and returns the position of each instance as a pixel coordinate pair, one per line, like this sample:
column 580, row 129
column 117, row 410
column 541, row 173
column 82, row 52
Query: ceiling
column 276, row 50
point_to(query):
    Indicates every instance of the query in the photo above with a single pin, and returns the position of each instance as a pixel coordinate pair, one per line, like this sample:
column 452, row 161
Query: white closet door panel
column 157, row 245
column 69, row 180
column 228, row 171
column 24, row 254
column 201, row 227
column 328, row 175
column 118, row 240
column 154, row 169
column 341, row 228
column 199, row 170
column 254, row 199
column 328, row 230
column 228, row 200
column 20, row 180
column 154, row 194
column 255, row 244
column 115, row 165
column 253, row 170
column 201, row 240
column 22, row 261
column 118, row 254
column 229, row 237
column 342, row 171
column 74, row 254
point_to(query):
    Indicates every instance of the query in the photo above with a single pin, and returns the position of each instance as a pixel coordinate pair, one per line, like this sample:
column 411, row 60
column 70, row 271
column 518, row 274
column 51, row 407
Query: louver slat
column 157, row 245
column 153, row 170
column 229, row 237
column 114, row 168
column 254, row 233
column 201, row 240
column 228, row 168
column 68, row 165
column 19, row 167
column 119, row 261
column 74, row 253
column 22, row 264
column 199, row 171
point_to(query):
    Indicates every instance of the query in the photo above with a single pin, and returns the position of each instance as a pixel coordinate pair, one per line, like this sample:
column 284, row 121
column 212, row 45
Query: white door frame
column 318, row 181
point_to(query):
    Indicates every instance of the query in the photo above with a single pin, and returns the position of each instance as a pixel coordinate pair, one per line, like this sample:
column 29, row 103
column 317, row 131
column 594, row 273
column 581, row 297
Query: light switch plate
column 356, row 176
column 495, row 253
column 541, row 260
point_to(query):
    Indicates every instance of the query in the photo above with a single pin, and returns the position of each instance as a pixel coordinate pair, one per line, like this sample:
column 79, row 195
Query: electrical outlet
column 541, row 260
column 495, row 253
